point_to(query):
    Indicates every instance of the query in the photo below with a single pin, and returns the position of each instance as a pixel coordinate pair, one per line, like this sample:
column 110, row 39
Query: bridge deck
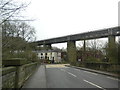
column 115, row 31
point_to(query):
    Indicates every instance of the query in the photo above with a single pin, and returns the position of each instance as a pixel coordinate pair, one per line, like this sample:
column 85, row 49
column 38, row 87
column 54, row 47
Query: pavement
column 62, row 76
column 37, row 80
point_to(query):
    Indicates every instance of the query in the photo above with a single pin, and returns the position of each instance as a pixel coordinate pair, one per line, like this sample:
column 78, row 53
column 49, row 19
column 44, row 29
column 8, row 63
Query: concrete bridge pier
column 71, row 52
column 111, row 41
column 112, row 50
column 47, row 46
column 84, row 46
column 84, row 50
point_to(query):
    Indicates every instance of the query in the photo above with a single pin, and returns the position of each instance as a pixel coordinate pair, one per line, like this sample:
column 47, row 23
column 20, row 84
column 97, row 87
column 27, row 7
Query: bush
column 92, row 59
column 28, row 55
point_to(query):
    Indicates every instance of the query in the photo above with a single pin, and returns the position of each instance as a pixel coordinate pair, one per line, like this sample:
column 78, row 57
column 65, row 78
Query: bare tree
column 27, row 32
column 91, row 49
column 16, row 36
column 56, row 48
column 96, row 44
column 15, row 29
column 81, row 45
column 10, row 9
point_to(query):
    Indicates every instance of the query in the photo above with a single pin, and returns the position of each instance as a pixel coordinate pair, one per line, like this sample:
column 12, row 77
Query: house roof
column 46, row 51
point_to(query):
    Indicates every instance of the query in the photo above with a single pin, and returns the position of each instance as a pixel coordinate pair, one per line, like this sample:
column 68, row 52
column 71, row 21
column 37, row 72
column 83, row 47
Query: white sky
column 56, row 18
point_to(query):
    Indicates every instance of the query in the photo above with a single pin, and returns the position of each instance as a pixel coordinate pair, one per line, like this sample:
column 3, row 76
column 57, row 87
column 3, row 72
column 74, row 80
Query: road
column 59, row 76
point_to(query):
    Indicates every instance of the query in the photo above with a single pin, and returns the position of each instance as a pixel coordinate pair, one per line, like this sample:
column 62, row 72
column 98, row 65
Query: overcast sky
column 56, row 18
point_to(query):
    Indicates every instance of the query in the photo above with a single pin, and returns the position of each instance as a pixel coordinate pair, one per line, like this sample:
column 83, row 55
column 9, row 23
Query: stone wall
column 14, row 77
column 24, row 72
column 8, row 77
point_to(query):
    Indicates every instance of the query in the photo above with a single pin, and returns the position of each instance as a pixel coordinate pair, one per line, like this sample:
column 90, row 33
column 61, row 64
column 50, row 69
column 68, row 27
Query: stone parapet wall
column 24, row 72
column 14, row 77
column 8, row 77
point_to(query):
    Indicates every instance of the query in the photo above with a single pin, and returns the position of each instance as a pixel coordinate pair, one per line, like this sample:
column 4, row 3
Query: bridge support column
column 71, row 51
column 47, row 47
column 84, row 50
column 111, row 41
column 84, row 46
column 112, row 49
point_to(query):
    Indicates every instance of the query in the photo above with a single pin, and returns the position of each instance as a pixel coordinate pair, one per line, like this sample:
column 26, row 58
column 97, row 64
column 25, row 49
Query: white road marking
column 91, row 73
column 68, row 72
column 94, row 84
column 62, row 70
column 112, row 78
column 71, row 74
column 77, row 69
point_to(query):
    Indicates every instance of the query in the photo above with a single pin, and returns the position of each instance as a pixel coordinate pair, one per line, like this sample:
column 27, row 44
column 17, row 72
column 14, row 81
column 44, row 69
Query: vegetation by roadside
column 16, row 33
column 102, row 58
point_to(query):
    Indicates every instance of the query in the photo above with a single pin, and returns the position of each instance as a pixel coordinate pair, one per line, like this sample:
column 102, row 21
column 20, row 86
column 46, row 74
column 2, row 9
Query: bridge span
column 111, row 33
column 114, row 31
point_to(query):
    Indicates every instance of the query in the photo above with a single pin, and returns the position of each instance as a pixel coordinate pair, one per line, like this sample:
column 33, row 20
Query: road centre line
column 91, row 73
column 71, row 74
column 62, row 70
column 68, row 72
column 77, row 69
column 94, row 84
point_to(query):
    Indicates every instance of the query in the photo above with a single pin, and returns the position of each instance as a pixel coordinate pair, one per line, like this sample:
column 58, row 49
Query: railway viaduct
column 111, row 33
